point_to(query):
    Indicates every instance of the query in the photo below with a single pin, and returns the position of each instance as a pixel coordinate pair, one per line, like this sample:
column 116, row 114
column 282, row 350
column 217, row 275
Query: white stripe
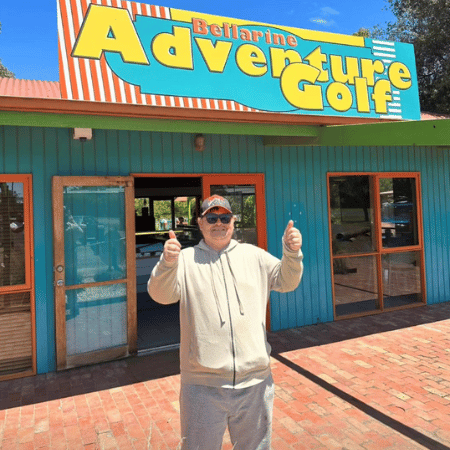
column 158, row 12
column 130, row 10
column 396, row 92
column 393, row 116
column 386, row 55
column 233, row 106
column 208, row 103
column 101, row 83
column 190, row 103
column 387, row 61
column 224, row 104
column 153, row 99
column 111, row 89
column 72, row 43
column 108, row 83
column 394, row 110
column 216, row 104
column 122, row 90
column 395, row 105
column 384, row 49
column 167, row 11
column 172, row 101
column 62, row 45
column 87, row 67
column 384, row 43
column 139, row 9
column 397, row 99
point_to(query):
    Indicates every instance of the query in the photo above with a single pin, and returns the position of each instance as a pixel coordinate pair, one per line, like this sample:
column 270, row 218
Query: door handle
column 60, row 283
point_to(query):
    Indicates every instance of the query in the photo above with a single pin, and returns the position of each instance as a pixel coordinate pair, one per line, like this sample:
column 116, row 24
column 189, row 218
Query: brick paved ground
column 380, row 382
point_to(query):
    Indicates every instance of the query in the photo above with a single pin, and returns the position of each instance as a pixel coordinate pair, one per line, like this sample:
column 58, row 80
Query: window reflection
column 361, row 283
column 351, row 215
column 401, row 279
column 12, row 240
column 94, row 235
column 398, row 212
column 355, row 285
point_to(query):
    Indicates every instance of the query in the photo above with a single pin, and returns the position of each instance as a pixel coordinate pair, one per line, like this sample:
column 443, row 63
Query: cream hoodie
column 223, row 298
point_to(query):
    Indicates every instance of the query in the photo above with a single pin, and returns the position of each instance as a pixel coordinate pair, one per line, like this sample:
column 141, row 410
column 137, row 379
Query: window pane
column 243, row 203
column 163, row 214
column 96, row 318
column 401, row 279
column 12, row 240
column 15, row 333
column 398, row 212
column 355, row 285
column 351, row 215
column 94, row 236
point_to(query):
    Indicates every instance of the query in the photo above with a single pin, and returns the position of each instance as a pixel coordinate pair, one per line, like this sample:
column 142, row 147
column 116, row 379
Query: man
column 223, row 288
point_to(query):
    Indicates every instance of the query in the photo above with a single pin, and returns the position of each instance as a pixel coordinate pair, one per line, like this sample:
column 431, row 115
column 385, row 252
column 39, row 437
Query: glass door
column 95, row 283
column 246, row 196
column 376, row 242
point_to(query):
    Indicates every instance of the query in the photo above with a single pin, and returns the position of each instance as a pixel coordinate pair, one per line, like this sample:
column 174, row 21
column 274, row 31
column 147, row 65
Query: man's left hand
column 292, row 237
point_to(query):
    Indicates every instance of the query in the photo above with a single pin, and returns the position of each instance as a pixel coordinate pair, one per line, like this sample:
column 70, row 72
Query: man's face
column 217, row 235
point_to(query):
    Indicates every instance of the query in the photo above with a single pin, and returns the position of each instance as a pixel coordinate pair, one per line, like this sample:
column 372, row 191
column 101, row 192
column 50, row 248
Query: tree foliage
column 426, row 24
column 4, row 72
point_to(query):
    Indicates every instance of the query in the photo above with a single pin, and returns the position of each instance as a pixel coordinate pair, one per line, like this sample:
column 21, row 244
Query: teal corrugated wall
column 295, row 185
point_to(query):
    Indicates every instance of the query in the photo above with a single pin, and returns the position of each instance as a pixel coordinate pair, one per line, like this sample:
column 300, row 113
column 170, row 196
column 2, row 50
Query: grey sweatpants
column 205, row 412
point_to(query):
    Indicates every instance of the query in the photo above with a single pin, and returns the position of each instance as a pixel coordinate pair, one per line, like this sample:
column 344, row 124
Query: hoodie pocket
column 211, row 353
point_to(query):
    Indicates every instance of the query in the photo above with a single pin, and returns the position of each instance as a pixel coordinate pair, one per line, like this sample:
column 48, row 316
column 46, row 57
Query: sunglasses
column 224, row 218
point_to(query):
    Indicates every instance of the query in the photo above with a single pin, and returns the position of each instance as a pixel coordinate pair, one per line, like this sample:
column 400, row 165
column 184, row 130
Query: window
column 376, row 242
column 17, row 353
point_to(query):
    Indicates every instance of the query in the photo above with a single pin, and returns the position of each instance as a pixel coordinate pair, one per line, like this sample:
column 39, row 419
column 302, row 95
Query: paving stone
column 377, row 382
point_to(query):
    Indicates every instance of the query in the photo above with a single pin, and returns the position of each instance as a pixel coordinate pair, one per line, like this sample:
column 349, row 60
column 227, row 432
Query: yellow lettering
column 317, row 59
column 399, row 75
column 215, row 56
column 174, row 49
column 251, row 60
column 369, row 68
column 339, row 96
column 107, row 29
column 279, row 57
column 310, row 97
column 362, row 95
column 337, row 69
column 382, row 95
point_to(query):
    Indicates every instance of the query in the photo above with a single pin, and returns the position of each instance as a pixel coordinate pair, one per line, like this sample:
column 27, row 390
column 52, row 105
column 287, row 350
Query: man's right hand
column 172, row 248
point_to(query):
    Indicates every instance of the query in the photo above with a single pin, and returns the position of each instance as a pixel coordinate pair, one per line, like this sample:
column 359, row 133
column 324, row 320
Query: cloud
column 324, row 17
column 326, row 10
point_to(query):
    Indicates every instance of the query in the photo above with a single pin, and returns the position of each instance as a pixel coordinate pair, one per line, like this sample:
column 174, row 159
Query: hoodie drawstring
column 241, row 306
column 216, row 297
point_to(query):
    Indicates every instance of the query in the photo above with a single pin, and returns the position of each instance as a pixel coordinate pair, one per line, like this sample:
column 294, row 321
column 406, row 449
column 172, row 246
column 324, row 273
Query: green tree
column 4, row 72
column 426, row 24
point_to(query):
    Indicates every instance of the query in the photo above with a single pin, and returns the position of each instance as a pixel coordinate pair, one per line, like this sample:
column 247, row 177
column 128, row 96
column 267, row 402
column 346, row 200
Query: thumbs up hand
column 172, row 248
column 292, row 237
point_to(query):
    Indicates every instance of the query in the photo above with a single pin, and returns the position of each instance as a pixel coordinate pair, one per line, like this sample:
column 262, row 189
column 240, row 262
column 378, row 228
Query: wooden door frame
column 29, row 285
column 208, row 179
column 379, row 250
column 58, row 184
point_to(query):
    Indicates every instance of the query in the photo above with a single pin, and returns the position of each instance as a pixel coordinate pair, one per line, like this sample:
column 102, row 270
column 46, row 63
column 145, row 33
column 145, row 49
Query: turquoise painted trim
column 71, row 121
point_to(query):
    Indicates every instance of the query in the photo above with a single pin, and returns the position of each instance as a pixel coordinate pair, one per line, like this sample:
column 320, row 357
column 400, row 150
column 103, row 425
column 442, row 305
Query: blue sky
column 29, row 40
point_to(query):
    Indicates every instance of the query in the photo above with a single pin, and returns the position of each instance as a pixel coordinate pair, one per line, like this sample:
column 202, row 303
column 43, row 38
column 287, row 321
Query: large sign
column 126, row 52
